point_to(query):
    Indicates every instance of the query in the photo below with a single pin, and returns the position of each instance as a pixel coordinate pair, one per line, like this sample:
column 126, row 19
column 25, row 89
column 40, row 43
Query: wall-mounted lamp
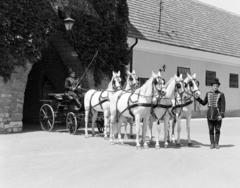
column 163, row 70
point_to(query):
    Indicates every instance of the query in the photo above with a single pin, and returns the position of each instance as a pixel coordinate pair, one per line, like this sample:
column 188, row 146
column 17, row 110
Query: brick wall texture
column 12, row 99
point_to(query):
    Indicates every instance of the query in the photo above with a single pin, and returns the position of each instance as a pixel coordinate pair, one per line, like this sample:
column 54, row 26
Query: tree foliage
column 103, row 27
column 25, row 27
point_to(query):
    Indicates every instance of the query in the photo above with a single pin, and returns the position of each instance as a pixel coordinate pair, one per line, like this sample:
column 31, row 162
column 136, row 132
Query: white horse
column 136, row 105
column 184, row 107
column 162, row 108
column 132, row 84
column 98, row 101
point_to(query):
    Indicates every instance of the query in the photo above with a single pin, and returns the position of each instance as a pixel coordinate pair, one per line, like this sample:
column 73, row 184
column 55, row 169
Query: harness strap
column 100, row 103
column 181, row 106
column 129, row 109
column 158, row 105
column 103, row 98
column 162, row 116
column 90, row 107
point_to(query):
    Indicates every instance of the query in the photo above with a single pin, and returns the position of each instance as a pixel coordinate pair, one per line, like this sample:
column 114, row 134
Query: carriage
column 59, row 108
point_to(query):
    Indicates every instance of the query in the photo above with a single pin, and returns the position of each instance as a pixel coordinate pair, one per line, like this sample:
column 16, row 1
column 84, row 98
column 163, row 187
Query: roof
column 186, row 23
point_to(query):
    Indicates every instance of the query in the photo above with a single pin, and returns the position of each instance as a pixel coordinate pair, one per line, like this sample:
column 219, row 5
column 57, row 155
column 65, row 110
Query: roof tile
column 186, row 23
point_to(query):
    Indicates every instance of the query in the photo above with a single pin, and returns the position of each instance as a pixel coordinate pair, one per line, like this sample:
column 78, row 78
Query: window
column 233, row 81
column 142, row 81
column 183, row 71
column 210, row 76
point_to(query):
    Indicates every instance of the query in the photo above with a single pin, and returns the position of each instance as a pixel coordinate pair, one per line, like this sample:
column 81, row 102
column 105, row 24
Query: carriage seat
column 55, row 96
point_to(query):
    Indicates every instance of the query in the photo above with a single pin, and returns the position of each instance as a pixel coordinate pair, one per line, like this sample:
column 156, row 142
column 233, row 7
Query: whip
column 87, row 68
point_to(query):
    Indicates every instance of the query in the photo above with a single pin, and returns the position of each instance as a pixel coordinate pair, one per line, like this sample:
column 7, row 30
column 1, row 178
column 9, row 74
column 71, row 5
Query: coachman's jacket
column 216, row 104
column 70, row 83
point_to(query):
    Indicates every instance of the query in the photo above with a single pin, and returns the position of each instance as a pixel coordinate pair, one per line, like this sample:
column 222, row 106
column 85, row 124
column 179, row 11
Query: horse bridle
column 118, row 78
column 133, row 85
column 158, row 91
column 178, row 86
column 190, row 86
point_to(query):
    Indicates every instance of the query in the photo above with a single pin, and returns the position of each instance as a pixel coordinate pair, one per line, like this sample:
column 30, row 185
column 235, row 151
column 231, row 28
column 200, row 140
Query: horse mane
column 171, row 79
column 170, row 88
column 145, row 86
column 187, row 79
column 126, row 83
column 110, row 84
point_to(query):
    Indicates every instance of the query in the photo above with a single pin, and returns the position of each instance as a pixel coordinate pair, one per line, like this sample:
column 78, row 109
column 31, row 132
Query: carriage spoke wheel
column 71, row 123
column 46, row 117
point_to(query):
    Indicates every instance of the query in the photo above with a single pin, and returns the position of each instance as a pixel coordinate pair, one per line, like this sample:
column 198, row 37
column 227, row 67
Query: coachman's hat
column 216, row 81
column 70, row 70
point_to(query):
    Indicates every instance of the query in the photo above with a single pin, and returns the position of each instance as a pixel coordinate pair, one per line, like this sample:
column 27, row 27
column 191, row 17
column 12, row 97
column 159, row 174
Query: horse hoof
column 105, row 138
column 86, row 135
column 190, row 145
column 125, row 137
column 151, row 143
column 93, row 135
column 157, row 147
column 138, row 147
column 146, row 146
column 178, row 145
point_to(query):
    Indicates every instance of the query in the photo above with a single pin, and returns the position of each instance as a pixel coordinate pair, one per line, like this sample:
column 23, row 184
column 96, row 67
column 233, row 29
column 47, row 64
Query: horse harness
column 133, row 104
column 188, row 100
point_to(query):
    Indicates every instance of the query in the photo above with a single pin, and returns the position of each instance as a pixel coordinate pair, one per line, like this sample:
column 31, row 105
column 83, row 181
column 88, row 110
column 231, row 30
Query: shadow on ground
column 221, row 146
column 184, row 143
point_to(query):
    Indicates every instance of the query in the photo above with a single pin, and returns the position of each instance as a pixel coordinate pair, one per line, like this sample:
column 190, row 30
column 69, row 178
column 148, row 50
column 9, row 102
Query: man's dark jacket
column 216, row 104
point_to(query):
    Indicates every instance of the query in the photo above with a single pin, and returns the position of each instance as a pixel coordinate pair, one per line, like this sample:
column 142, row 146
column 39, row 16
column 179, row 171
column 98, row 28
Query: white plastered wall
column 151, row 56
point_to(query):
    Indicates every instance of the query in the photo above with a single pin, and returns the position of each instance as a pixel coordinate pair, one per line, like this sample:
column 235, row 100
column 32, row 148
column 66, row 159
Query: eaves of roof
column 186, row 23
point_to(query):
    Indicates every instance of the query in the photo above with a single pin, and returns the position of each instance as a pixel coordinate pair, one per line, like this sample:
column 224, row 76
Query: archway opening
column 36, row 89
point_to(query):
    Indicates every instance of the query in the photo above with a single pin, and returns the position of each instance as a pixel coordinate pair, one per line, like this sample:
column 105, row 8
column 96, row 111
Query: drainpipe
column 131, row 51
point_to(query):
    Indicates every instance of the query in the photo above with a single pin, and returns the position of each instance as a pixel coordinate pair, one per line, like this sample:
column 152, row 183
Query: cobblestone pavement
column 35, row 159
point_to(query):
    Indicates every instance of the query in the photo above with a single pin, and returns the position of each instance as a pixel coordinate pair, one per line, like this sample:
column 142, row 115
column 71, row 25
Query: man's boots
column 212, row 141
column 79, row 105
column 217, row 136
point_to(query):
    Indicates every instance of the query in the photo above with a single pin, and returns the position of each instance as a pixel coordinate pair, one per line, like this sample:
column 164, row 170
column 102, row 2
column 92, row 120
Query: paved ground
column 57, row 160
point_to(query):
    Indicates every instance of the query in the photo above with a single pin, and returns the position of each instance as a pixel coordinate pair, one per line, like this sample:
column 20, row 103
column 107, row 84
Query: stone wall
column 12, row 99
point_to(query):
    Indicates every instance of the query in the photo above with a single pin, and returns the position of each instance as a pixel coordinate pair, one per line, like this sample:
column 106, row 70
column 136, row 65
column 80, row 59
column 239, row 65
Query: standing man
column 216, row 109
column 73, row 87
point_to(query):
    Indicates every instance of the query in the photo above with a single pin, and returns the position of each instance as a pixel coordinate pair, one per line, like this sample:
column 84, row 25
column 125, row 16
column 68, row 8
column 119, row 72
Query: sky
column 229, row 5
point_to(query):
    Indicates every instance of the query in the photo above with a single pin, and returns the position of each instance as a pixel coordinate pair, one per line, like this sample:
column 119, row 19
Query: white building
column 194, row 37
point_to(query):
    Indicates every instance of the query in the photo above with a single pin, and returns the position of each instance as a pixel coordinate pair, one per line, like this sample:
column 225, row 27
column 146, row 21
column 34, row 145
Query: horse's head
column 158, row 84
column 116, row 81
column 179, row 84
column 192, row 84
column 132, row 80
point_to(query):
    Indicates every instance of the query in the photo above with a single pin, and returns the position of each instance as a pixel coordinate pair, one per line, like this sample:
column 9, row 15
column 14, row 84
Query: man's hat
column 216, row 81
column 70, row 70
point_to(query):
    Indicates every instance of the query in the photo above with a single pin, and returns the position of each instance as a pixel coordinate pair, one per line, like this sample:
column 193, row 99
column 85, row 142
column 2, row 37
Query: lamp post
column 68, row 22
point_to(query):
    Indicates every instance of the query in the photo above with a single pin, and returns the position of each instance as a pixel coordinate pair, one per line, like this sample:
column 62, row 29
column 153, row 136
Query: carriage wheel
column 46, row 117
column 71, row 123
column 100, row 124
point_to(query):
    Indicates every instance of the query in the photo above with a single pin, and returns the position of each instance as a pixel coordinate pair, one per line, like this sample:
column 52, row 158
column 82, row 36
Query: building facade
column 191, row 37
